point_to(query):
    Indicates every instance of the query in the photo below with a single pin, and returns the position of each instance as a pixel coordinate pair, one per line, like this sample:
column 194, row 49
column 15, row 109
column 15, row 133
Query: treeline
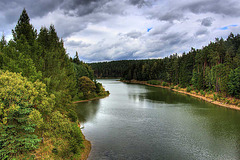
column 215, row 67
column 112, row 69
column 38, row 83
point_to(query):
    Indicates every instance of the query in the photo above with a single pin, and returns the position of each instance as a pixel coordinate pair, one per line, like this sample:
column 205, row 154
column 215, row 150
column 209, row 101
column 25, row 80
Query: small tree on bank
column 86, row 86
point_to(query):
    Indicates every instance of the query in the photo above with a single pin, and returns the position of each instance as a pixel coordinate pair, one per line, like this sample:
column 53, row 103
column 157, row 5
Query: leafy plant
column 202, row 92
column 154, row 82
column 189, row 88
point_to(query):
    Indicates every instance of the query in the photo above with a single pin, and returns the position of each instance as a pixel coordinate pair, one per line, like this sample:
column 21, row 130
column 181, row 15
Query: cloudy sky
column 104, row 30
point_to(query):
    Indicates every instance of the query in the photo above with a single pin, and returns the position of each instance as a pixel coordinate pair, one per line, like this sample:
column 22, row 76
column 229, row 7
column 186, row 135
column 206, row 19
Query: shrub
column 227, row 101
column 219, row 96
column 72, row 115
column 22, row 103
column 154, row 82
column 202, row 92
column 214, row 97
column 189, row 88
column 164, row 84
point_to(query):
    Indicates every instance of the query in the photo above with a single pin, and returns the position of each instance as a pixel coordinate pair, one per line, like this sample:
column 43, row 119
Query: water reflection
column 86, row 111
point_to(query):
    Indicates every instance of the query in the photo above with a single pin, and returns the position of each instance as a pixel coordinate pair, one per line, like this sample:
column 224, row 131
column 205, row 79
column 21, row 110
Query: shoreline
column 87, row 144
column 218, row 103
column 96, row 98
column 87, row 148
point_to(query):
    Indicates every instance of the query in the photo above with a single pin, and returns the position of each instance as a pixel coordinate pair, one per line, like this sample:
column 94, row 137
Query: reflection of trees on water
column 87, row 110
column 162, row 95
column 220, row 122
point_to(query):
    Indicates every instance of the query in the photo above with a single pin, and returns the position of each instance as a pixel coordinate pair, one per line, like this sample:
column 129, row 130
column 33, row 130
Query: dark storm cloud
column 12, row 9
column 228, row 8
column 207, row 22
column 82, row 7
column 140, row 3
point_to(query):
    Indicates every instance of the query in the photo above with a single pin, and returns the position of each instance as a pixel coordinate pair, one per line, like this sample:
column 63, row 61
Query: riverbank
column 87, row 148
column 95, row 98
column 183, row 91
column 87, row 144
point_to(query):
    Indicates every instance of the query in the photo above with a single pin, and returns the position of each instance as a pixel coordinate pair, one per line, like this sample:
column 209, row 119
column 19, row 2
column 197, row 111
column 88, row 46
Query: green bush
column 214, row 97
column 72, row 115
column 171, row 87
column 202, row 92
column 219, row 96
column 154, row 82
column 164, row 84
column 76, row 139
column 189, row 88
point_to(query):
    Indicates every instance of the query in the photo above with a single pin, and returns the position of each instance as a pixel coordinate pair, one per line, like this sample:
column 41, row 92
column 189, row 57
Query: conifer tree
column 24, row 29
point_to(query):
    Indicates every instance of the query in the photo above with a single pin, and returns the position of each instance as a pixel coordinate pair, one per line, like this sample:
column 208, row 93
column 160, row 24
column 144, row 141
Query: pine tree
column 24, row 29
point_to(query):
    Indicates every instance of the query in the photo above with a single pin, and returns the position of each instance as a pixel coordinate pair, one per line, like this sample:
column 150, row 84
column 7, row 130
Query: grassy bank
column 212, row 97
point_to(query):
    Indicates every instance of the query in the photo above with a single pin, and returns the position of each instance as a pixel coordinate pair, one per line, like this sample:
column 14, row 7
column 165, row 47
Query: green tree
column 234, row 82
column 22, row 104
column 86, row 86
column 24, row 29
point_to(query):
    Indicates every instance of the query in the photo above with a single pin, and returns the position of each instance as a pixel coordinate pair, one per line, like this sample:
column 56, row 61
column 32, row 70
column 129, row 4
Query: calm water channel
column 143, row 123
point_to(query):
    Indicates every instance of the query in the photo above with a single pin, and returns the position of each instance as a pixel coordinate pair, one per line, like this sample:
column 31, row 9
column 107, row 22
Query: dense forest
column 215, row 67
column 114, row 69
column 38, row 83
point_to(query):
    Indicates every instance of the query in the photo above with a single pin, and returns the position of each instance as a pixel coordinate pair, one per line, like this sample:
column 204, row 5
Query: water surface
column 140, row 122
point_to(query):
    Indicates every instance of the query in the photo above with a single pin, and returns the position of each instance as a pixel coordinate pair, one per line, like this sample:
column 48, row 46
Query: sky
column 105, row 30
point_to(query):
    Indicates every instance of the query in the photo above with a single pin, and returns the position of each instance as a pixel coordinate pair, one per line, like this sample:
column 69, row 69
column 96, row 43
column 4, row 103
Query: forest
column 112, row 69
column 38, row 84
column 215, row 67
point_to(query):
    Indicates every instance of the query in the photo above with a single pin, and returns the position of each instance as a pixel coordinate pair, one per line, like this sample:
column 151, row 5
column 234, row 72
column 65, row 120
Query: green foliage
column 76, row 139
column 189, row 89
column 86, row 85
column 234, row 82
column 112, row 69
column 154, row 82
column 36, row 100
column 24, row 29
column 164, row 84
column 72, row 115
column 22, row 104
column 214, row 97
column 202, row 92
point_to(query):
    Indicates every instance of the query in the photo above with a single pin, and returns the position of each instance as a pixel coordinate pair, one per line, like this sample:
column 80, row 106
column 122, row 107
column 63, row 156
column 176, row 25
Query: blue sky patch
column 227, row 27
column 149, row 29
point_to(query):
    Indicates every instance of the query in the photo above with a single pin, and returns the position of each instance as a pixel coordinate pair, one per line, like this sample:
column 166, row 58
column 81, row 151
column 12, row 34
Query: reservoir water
column 139, row 122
